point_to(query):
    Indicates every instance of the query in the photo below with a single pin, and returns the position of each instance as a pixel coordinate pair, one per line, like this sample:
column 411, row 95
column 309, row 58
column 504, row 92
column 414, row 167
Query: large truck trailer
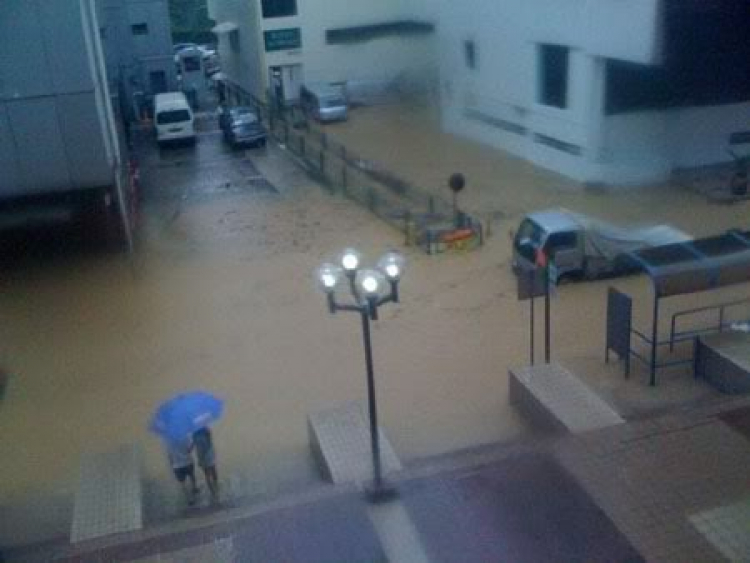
column 59, row 140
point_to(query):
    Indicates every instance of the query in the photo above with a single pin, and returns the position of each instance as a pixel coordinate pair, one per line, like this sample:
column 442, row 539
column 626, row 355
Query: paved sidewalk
column 676, row 488
column 653, row 477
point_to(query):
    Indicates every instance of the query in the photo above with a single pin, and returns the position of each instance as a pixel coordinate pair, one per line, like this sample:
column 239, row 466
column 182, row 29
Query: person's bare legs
column 190, row 487
column 212, row 480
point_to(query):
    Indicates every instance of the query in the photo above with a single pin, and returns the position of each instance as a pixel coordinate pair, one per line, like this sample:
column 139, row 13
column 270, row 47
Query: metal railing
column 419, row 214
column 719, row 326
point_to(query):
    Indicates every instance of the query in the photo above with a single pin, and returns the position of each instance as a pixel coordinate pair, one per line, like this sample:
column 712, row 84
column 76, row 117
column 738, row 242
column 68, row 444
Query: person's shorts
column 182, row 473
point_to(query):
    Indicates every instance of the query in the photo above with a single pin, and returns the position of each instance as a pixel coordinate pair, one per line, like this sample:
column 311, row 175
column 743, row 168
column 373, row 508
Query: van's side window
column 560, row 241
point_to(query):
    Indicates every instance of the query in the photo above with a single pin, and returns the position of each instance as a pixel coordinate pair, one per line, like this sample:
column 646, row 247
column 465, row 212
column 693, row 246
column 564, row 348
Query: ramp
column 552, row 396
column 340, row 441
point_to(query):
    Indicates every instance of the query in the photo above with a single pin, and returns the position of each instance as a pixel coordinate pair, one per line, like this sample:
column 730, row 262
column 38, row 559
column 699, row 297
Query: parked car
column 324, row 102
column 242, row 126
column 173, row 118
column 177, row 48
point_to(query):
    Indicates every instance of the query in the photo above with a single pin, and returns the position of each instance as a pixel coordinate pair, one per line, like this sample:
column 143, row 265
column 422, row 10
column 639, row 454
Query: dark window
column 560, row 241
column 704, row 61
column 139, row 28
column 362, row 33
column 173, row 116
column 470, row 54
column 234, row 41
column 553, row 75
column 191, row 64
column 279, row 8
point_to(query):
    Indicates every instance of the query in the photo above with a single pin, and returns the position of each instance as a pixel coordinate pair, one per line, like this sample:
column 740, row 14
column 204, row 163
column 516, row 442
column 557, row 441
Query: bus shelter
column 676, row 269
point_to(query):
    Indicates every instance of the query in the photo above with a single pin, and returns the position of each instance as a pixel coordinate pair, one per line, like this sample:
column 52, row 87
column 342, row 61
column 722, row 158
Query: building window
column 234, row 42
column 139, row 28
column 470, row 54
column 279, row 8
column 553, row 75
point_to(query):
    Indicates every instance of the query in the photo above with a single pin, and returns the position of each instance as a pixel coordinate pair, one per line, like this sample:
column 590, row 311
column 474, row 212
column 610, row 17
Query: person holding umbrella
column 177, row 421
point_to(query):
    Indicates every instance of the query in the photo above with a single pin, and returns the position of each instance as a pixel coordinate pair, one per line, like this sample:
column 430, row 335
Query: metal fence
column 426, row 219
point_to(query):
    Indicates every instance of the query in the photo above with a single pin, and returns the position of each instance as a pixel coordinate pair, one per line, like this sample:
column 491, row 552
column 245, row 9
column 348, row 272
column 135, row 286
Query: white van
column 173, row 118
column 324, row 102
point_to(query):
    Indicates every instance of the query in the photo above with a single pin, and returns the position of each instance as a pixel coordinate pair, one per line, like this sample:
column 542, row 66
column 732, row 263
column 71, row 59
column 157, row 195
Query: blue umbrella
column 183, row 414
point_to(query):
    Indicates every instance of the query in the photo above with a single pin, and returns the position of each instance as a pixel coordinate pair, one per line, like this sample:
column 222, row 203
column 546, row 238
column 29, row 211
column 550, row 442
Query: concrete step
column 552, row 396
column 109, row 498
column 340, row 441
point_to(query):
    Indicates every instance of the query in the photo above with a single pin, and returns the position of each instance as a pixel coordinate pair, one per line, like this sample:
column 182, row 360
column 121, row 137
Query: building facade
column 137, row 41
column 374, row 49
column 58, row 131
column 609, row 91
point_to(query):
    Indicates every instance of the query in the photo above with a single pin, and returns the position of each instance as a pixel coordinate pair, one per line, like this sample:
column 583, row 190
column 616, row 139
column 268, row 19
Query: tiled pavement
column 727, row 528
column 649, row 477
column 523, row 508
column 636, row 491
column 552, row 393
column 340, row 437
column 331, row 527
column 109, row 496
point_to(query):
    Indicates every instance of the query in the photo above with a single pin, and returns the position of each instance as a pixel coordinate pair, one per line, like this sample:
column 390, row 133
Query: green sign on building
column 282, row 39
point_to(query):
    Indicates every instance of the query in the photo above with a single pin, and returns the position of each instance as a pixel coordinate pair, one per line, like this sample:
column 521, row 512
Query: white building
column 273, row 46
column 616, row 91
column 137, row 44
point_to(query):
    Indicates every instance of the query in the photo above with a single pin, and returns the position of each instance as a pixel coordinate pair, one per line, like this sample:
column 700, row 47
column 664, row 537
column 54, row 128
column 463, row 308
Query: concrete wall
column 240, row 52
column 55, row 122
column 375, row 65
column 499, row 103
column 131, row 58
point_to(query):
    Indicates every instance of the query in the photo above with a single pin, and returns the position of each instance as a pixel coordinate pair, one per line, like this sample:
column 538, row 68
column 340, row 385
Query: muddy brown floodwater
column 220, row 296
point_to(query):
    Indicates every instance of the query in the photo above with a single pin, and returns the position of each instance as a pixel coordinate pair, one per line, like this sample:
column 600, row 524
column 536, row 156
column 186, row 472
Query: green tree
column 190, row 21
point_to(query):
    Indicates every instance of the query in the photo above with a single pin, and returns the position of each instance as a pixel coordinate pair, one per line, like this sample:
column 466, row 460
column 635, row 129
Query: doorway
column 158, row 81
column 285, row 82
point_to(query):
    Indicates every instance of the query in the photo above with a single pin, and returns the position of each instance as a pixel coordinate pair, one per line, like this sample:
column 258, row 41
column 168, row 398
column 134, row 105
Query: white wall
column 377, row 63
column 244, row 66
column 507, row 35
column 374, row 63
column 622, row 149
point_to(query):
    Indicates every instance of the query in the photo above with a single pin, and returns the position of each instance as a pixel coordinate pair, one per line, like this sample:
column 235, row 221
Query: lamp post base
column 378, row 492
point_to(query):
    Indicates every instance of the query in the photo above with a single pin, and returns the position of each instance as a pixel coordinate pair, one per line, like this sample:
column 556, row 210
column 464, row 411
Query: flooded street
column 220, row 296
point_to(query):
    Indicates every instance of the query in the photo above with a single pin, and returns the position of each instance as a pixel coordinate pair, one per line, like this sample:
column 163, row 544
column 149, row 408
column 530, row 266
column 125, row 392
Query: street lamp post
column 369, row 289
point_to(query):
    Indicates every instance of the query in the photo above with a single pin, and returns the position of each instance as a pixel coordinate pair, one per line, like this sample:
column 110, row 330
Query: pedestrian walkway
column 109, row 496
column 651, row 476
column 674, row 488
